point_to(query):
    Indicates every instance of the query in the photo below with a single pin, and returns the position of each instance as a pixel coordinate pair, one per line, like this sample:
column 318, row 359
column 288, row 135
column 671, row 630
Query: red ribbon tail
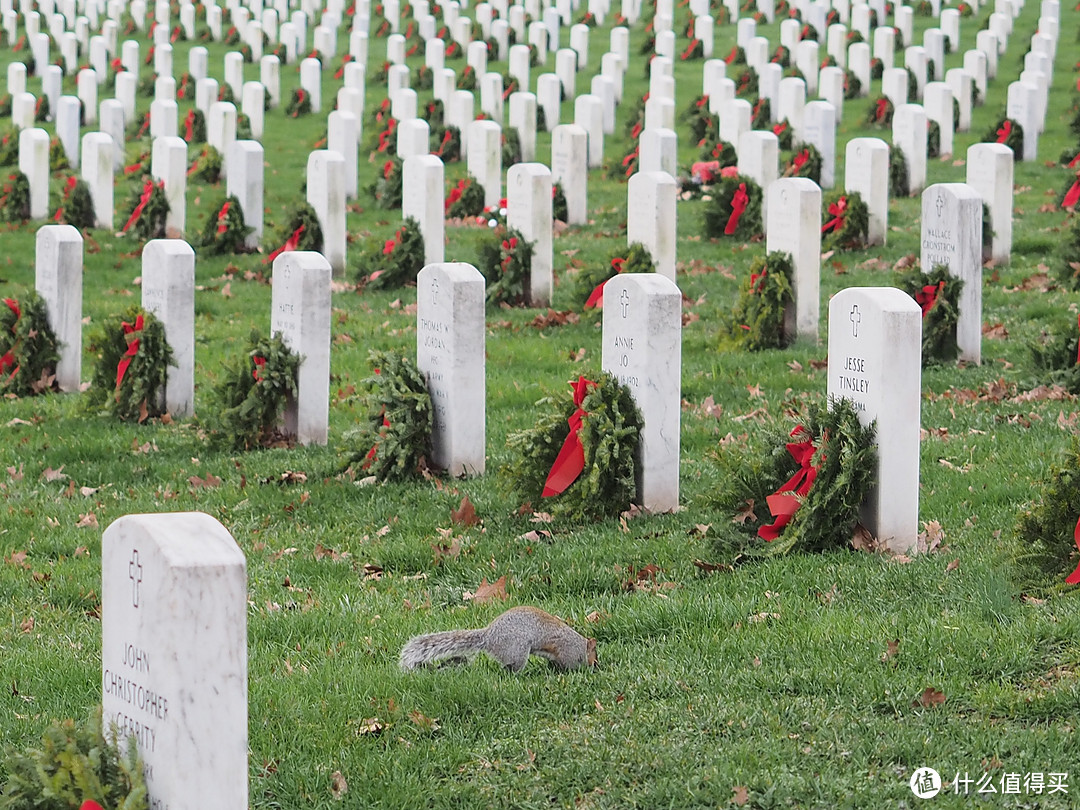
column 596, row 298
column 1072, row 196
column 782, row 505
column 121, row 369
column 1074, row 577
column 568, row 464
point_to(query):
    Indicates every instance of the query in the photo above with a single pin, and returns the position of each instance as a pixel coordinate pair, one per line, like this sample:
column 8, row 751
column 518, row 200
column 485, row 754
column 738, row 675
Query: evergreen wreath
column 252, row 393
column 206, row 167
column 41, row 109
column 394, row 262
column 1056, row 353
column 511, row 147
column 806, row 162
column 628, row 166
column 757, row 320
column 140, row 166
column 301, row 232
column 852, row 85
column 449, row 149
column 880, row 113
column 15, row 198
column 1070, row 158
column 877, row 69
column 761, row 113
column 694, row 50
column 506, row 262
column 243, row 127
column 148, row 208
column 466, row 80
column 386, row 142
column 76, row 205
column 737, row 56
column 846, row 223
column 9, row 146
column 605, row 423
column 560, row 211
column 933, row 139
column 1068, row 258
column 74, row 764
column 1047, row 530
column 785, row 136
column 714, row 149
column 394, row 436
column 938, row 293
column 746, row 83
column 899, row 185
column 132, row 367
column 465, row 200
column 589, row 282
column 195, row 126
column 1008, row 132
column 58, row 159
column 29, row 350
column 434, row 113
column 387, row 188
column 735, row 209
column 299, row 103
column 5, row 105
column 423, row 78
column 814, row 477
column 1070, row 194
column 225, row 231
column 781, row 56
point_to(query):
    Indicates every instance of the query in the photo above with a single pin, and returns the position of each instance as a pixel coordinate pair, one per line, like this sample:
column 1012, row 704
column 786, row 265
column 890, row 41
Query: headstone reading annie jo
column 875, row 361
column 174, row 655
column 450, row 355
column 642, row 347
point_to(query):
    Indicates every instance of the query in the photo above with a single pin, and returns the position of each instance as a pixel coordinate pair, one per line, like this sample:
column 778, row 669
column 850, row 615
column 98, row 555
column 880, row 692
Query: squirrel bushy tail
column 450, row 644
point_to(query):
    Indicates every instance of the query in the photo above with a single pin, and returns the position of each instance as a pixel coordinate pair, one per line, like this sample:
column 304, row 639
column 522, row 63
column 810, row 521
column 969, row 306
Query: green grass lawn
column 790, row 682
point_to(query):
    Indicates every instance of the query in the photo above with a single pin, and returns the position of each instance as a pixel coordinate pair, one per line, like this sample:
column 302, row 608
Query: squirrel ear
column 590, row 652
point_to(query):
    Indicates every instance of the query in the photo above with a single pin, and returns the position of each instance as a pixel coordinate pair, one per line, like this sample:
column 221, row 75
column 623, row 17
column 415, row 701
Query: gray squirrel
column 510, row 639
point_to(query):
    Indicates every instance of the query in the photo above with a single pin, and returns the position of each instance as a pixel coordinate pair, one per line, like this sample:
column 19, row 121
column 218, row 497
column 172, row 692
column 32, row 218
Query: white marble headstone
column 174, row 608
column 58, row 279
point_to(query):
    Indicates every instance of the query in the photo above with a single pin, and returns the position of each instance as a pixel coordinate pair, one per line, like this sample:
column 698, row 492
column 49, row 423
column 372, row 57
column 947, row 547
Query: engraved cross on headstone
column 135, row 575
column 624, row 302
column 434, row 292
column 939, row 203
column 856, row 318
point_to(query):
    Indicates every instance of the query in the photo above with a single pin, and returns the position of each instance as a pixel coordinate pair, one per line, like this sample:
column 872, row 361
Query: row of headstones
column 152, row 562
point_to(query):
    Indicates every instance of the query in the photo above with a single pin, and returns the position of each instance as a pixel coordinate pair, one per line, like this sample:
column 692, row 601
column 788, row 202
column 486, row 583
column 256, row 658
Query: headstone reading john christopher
column 174, row 655
column 450, row 355
column 642, row 347
column 875, row 361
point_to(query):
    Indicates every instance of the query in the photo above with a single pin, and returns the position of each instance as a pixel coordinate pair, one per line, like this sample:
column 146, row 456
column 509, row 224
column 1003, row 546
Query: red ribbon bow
column 144, row 198
column 755, row 278
column 785, row 501
column 131, row 336
column 8, row 360
column 1072, row 196
column 1005, row 131
column 800, row 159
column 189, row 125
column 837, row 209
column 731, row 56
column 596, row 297
column 778, row 130
column 290, row 244
column 68, row 187
column 571, row 459
column 371, row 454
column 881, row 109
column 928, row 296
column 1074, row 162
column 260, row 364
column 689, row 50
column 738, row 205
column 1074, row 577
column 222, row 218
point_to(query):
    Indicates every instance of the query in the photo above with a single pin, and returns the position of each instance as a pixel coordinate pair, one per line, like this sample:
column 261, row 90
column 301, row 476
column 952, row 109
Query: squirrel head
column 590, row 652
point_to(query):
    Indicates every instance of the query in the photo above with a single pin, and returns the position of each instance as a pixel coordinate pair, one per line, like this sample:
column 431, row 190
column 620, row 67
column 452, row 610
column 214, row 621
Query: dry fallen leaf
column 953, row 565
column 745, row 513
column 338, row 786
column 27, row 624
column 741, row 795
column 862, row 540
column 891, row 649
column 930, row 697
column 87, row 520
column 487, row 591
column 465, row 514
column 370, row 725
column 209, row 482
column 54, row 475
column 444, row 551
column 423, row 721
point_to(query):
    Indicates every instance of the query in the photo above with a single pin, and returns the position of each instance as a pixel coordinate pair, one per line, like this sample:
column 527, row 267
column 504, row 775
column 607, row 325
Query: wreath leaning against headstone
column 589, row 283
column 132, row 368
column 225, row 231
column 1048, row 531
column 846, row 221
column 394, row 436
column 29, row 350
column 757, row 320
column 506, row 262
column 938, row 294
column 252, row 393
column 578, row 461
column 735, row 208
column 394, row 262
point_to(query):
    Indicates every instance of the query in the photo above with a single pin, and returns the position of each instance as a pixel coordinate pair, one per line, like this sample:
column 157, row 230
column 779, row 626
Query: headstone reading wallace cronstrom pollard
column 875, row 361
column 174, row 655
column 642, row 348
column 450, row 355
column 952, row 236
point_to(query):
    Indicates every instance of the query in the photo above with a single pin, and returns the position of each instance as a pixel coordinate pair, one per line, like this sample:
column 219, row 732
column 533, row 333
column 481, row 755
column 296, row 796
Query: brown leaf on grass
column 929, row 698
column 891, row 649
column 930, row 537
column 740, row 795
column 465, row 514
column 70, row 490
column 795, row 366
column 80, row 551
column 733, row 439
column 488, row 591
column 209, row 482
column 321, row 552
column 1036, row 282
column 16, row 421
column 16, row 473
column 541, row 517
column 423, row 721
column 595, row 617
column 554, row 318
column 862, row 540
column 764, row 616
column 17, row 558
column 710, row 568
column 226, row 291
column 338, row 786
column 995, row 331
column 89, row 520
column 54, row 475
column 1043, row 393
column 447, row 551
column 142, row 449
column 906, row 262
column 144, row 412
column 745, row 513
column 370, row 725
column 86, row 492
column 757, row 415
column 535, row 536
column 1032, row 600
column 953, row 565
column 700, row 529
column 27, row 625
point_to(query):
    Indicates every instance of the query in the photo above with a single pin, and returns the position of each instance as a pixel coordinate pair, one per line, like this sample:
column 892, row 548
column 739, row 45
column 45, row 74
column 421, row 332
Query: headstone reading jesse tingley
column 174, row 655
